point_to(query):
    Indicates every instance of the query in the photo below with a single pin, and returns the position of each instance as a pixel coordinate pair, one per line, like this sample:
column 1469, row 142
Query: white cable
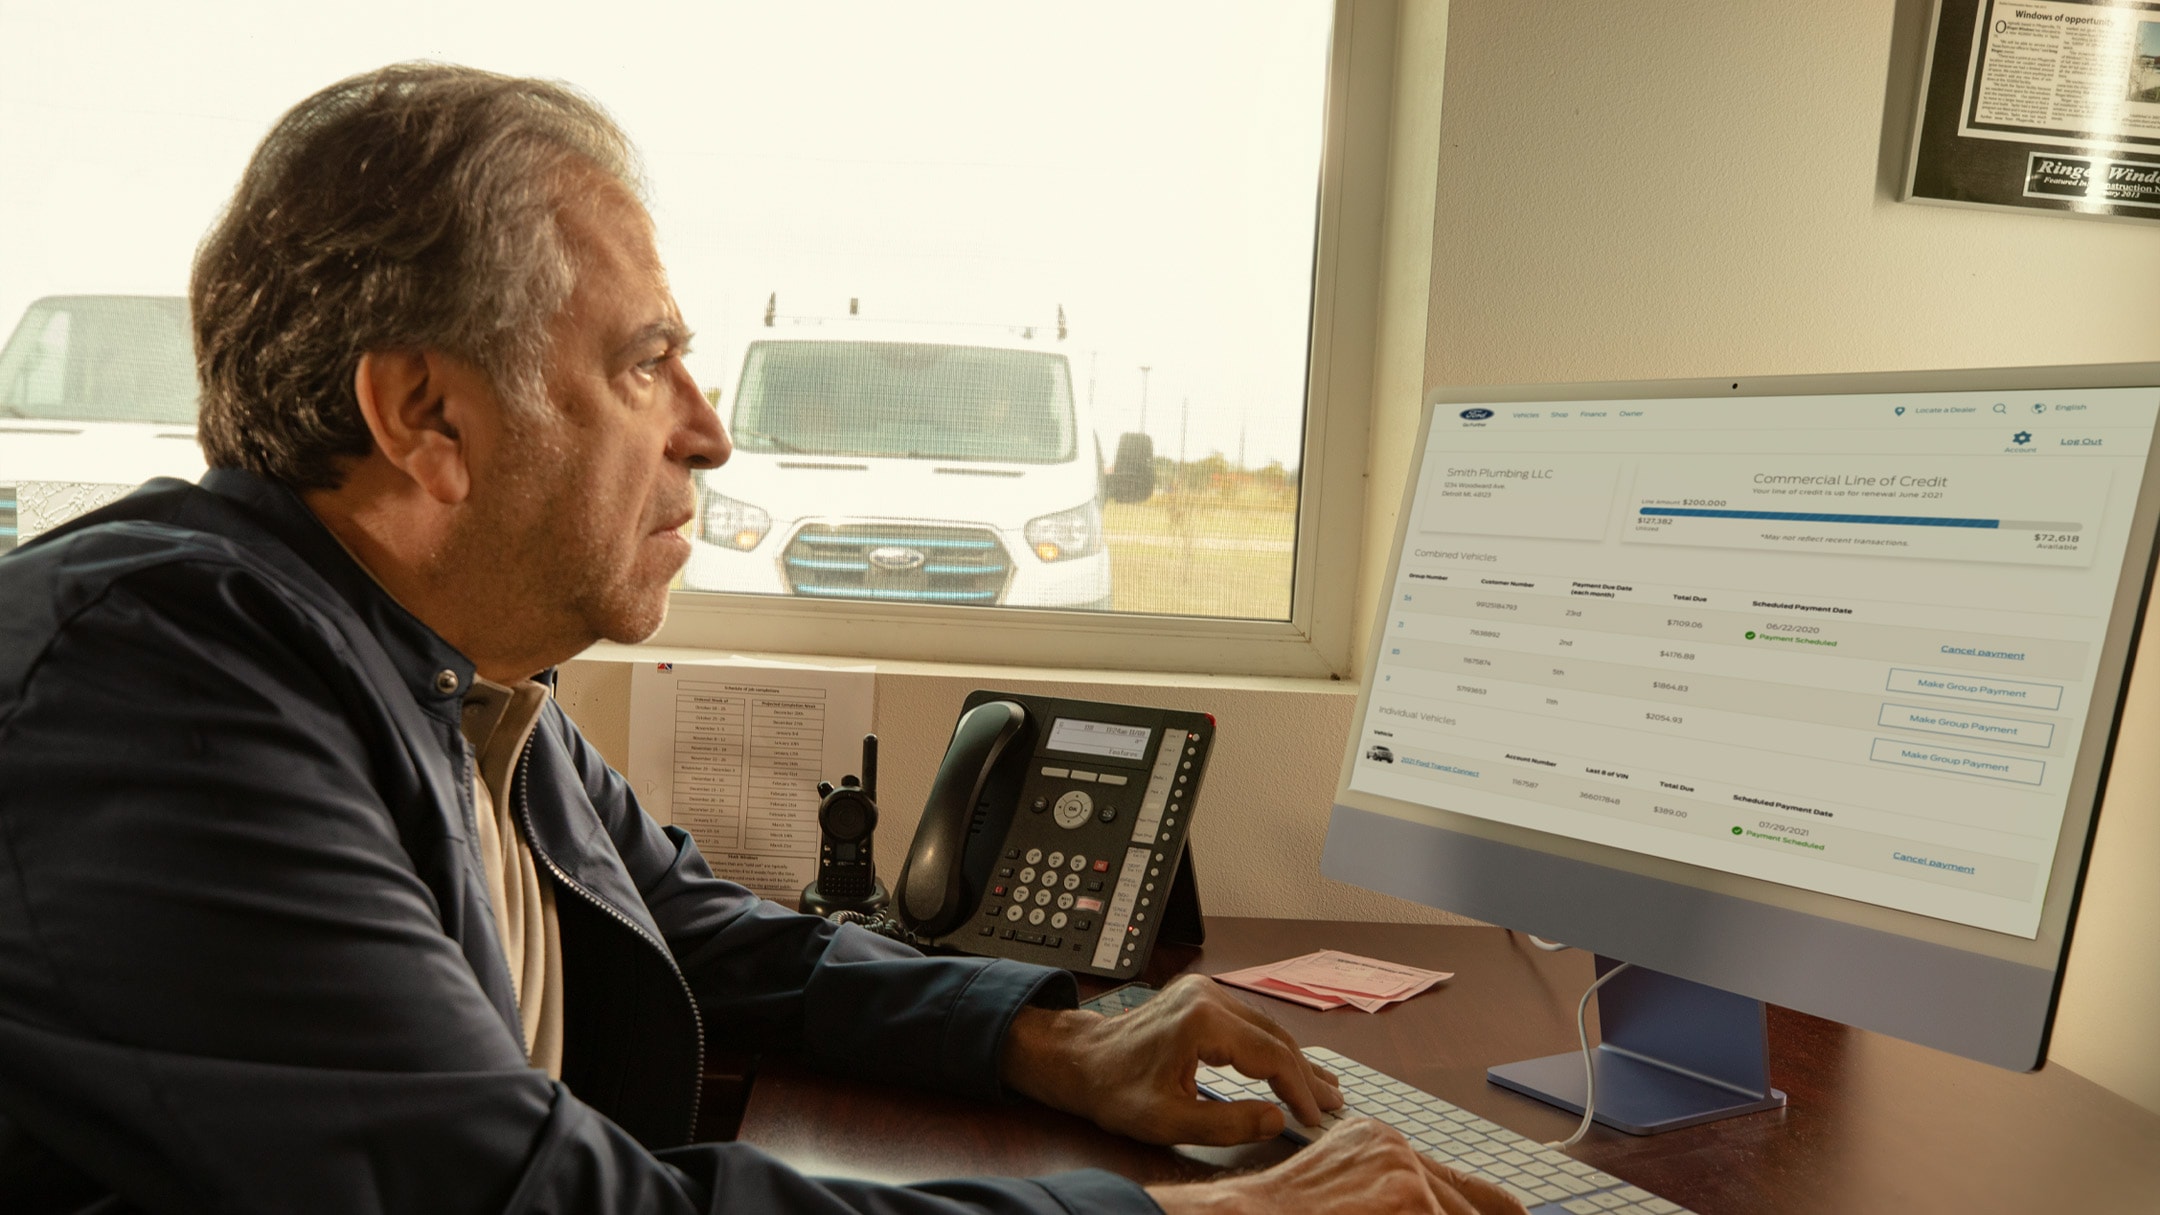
column 1542, row 943
column 1582, row 1036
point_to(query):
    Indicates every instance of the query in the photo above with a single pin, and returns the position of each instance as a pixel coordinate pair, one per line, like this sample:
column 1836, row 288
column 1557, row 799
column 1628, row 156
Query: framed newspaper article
column 2049, row 105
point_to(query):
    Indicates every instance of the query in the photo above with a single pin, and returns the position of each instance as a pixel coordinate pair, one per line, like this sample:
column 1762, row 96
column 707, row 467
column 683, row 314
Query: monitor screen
column 1814, row 678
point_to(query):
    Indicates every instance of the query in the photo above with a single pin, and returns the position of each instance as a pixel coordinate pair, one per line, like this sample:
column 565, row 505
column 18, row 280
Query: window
column 1023, row 316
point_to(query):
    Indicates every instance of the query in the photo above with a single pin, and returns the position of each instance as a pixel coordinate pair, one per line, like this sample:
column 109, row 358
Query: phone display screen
column 1099, row 738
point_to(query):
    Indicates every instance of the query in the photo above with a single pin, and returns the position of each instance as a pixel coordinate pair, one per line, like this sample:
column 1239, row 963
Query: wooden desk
column 1874, row 1124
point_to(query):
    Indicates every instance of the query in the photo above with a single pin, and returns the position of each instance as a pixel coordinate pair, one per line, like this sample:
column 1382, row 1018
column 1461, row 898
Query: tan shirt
column 497, row 721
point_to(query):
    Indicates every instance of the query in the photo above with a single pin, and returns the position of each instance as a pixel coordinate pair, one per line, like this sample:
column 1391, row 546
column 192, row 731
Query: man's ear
column 413, row 401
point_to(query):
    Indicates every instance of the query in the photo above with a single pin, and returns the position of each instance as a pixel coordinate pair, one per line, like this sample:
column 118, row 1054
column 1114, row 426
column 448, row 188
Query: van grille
column 905, row 563
column 7, row 517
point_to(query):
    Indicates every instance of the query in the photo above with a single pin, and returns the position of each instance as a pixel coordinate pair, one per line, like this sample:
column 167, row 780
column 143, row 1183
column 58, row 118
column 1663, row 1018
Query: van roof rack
column 774, row 317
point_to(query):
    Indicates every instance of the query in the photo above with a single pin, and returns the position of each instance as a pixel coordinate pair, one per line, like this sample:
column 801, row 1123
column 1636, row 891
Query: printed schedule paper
column 732, row 751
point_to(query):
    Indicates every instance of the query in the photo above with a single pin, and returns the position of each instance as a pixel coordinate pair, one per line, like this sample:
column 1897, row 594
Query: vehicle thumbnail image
column 1380, row 755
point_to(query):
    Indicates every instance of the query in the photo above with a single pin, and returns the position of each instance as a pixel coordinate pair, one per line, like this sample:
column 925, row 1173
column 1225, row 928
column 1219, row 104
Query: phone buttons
column 1055, row 771
column 1109, row 778
column 1078, row 863
column 1065, row 902
column 1034, row 856
column 1058, row 920
column 1042, row 898
column 1072, row 881
column 987, row 930
column 1037, row 916
column 1041, row 804
column 1014, row 913
column 1107, row 814
column 1101, row 866
column 1056, row 860
column 1027, row 875
column 1072, row 810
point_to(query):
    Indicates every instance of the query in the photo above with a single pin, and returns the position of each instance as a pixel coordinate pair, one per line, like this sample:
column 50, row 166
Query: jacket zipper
column 697, row 1018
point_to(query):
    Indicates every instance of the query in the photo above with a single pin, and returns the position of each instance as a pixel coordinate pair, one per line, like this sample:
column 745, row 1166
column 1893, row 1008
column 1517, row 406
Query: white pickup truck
column 913, row 464
column 97, row 395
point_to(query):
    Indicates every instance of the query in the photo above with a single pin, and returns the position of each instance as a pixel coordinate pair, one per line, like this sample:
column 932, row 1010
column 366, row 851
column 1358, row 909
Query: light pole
column 1144, row 369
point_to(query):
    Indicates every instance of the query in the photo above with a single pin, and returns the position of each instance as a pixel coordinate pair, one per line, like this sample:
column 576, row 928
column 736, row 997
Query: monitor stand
column 1673, row 1053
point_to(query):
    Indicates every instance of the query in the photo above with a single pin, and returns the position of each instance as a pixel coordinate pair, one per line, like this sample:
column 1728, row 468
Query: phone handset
column 930, row 895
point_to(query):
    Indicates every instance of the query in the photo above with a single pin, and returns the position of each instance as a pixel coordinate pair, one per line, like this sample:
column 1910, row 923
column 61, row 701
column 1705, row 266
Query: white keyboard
column 1547, row 1180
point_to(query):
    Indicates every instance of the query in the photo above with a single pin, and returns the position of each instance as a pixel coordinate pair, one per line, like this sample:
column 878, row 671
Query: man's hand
column 1361, row 1166
column 1133, row 1073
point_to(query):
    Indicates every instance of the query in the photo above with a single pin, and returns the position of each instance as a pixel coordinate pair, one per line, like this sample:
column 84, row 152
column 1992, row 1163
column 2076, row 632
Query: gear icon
column 2021, row 438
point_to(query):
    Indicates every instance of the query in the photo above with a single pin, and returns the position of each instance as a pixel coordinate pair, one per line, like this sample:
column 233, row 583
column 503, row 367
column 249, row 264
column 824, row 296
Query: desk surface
column 1874, row 1124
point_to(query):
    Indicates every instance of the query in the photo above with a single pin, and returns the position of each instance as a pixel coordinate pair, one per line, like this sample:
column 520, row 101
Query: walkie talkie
column 847, row 817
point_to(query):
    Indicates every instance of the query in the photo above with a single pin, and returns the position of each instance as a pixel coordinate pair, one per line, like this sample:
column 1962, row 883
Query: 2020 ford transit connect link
column 914, row 464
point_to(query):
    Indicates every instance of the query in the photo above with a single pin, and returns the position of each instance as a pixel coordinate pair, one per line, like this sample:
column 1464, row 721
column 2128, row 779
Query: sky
column 1153, row 167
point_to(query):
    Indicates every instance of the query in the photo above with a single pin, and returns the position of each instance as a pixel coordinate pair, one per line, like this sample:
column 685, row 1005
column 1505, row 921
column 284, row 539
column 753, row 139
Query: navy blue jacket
column 247, row 960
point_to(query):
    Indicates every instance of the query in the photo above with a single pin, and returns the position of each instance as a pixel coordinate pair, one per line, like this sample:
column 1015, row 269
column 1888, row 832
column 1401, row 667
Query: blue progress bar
column 1797, row 516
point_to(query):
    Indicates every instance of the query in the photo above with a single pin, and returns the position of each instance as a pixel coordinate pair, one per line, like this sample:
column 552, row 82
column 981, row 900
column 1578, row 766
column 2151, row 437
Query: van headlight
column 731, row 523
column 1066, row 534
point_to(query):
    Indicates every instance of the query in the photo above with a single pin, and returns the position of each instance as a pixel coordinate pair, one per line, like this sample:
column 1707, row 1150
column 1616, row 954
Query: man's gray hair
column 408, row 208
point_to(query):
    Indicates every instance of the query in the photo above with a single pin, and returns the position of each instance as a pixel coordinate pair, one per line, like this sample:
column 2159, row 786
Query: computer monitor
column 1799, row 690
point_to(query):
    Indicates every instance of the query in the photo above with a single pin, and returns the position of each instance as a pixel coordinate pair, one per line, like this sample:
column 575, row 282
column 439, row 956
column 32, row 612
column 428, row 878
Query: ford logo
column 1476, row 415
column 893, row 557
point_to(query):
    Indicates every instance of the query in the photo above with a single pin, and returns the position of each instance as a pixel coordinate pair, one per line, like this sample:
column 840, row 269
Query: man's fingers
column 1321, row 1084
column 1221, row 1123
column 1260, row 1055
column 1451, row 1189
column 1470, row 1195
column 1488, row 1197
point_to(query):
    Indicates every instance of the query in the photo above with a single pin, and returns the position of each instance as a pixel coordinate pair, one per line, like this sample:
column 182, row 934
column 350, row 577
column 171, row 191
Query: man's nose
column 701, row 440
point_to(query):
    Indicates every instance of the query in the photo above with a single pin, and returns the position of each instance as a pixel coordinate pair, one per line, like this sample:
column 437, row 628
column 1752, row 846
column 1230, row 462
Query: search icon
column 1999, row 408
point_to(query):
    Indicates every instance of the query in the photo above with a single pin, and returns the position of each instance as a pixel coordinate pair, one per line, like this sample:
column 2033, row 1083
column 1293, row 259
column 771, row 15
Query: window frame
column 1315, row 642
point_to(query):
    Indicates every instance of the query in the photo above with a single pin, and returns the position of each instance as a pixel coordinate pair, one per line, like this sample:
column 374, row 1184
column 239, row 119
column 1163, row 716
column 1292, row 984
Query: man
column 311, row 900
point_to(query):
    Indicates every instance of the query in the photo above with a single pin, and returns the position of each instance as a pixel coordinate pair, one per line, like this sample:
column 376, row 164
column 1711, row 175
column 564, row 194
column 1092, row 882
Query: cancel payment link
column 1742, row 819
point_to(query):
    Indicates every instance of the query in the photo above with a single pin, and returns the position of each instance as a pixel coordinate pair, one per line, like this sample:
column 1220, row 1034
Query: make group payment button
column 1976, row 687
column 1976, row 726
column 1957, row 762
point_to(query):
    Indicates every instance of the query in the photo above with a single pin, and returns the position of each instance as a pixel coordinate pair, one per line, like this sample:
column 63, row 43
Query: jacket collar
column 436, row 674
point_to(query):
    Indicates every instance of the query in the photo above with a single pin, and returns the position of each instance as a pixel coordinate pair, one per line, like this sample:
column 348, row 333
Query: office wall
column 1678, row 188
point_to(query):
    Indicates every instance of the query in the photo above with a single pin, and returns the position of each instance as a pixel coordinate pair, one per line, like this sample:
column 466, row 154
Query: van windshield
column 101, row 358
column 908, row 400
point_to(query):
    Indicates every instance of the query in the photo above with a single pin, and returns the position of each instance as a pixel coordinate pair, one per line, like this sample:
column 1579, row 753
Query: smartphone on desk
column 1123, row 998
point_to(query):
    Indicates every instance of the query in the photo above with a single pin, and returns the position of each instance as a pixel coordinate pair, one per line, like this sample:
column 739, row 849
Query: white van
column 97, row 395
column 912, row 464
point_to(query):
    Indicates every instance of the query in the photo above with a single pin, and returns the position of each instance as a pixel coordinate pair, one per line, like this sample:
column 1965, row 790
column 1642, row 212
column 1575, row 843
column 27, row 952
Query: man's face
column 579, row 517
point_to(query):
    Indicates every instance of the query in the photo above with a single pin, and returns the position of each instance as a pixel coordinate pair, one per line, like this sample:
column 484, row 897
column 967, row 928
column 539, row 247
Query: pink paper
column 1331, row 979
